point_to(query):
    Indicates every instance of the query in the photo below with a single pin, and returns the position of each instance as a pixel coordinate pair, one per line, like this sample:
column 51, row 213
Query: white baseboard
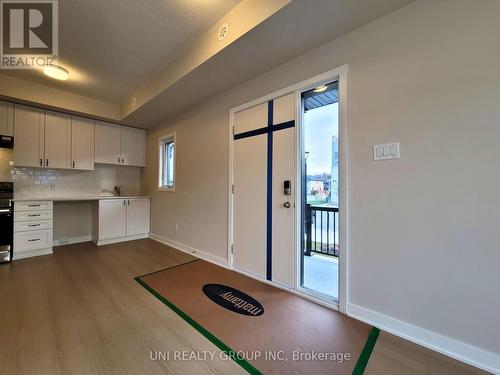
column 190, row 250
column 453, row 348
column 72, row 240
column 224, row 263
column 31, row 253
column 120, row 239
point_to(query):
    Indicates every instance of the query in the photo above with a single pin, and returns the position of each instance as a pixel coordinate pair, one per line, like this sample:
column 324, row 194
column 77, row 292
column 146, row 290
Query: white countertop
column 74, row 198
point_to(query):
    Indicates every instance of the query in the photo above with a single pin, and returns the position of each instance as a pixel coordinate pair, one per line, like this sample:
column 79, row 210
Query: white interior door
column 250, row 191
column 283, row 251
column 263, row 215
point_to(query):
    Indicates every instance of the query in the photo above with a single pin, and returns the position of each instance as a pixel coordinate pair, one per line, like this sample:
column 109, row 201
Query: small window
column 167, row 163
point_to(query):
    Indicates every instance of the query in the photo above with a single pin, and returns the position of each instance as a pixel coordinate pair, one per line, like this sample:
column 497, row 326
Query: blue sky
column 320, row 125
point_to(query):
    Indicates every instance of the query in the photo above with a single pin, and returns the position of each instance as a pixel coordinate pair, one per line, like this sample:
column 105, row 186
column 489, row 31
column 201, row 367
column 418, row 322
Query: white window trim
column 161, row 142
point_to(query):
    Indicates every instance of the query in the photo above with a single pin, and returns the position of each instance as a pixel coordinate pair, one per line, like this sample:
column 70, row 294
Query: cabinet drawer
column 37, row 239
column 23, row 226
column 32, row 206
column 32, row 215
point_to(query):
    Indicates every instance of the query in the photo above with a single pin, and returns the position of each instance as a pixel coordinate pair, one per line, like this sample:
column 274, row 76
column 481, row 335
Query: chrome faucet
column 117, row 190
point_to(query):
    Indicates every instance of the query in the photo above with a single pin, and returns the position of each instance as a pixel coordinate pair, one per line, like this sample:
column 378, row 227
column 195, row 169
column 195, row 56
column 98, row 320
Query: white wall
column 423, row 229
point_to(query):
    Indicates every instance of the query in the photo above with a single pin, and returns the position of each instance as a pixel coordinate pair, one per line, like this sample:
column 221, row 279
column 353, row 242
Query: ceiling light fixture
column 56, row 72
column 320, row 88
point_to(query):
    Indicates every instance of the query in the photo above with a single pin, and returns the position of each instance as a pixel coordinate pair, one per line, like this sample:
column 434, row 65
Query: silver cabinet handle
column 33, row 225
column 118, row 160
column 128, row 202
column 34, row 215
column 34, row 239
column 73, row 164
column 123, row 160
column 47, row 162
column 33, row 205
column 287, row 205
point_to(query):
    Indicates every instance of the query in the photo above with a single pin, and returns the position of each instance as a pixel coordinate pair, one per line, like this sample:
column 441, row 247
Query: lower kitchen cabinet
column 33, row 225
column 122, row 220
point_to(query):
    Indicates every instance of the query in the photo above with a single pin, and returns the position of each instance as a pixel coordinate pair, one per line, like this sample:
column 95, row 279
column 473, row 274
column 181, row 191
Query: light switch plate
column 386, row 151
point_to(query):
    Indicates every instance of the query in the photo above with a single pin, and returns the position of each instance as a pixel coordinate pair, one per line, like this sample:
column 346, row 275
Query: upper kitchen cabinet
column 108, row 143
column 120, row 145
column 133, row 147
column 29, row 136
column 57, row 140
column 6, row 119
column 82, row 143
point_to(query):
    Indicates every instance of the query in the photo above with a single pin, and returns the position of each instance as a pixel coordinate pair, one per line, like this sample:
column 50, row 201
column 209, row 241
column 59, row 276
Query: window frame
column 163, row 169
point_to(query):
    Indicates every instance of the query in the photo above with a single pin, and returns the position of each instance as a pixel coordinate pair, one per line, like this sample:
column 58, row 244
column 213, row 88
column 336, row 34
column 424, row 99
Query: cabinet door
column 57, row 140
column 137, row 216
column 28, row 136
column 6, row 118
column 82, row 143
column 108, row 143
column 112, row 218
column 134, row 147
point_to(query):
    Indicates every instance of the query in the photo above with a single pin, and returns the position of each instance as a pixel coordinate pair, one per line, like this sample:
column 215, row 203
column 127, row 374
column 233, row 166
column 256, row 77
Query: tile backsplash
column 36, row 183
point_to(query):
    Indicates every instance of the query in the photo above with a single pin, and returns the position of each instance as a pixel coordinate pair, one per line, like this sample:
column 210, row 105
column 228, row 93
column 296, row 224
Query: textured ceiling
column 110, row 47
column 297, row 28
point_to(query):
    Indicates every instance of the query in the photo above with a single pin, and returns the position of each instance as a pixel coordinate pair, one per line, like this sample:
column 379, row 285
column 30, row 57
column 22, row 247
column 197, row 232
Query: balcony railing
column 321, row 230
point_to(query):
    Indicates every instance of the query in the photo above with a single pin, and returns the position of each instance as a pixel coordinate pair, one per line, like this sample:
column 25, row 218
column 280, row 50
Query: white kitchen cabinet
column 138, row 216
column 108, row 143
column 120, row 145
column 112, row 218
column 6, row 119
column 57, row 140
column 29, row 136
column 133, row 147
column 122, row 219
column 33, row 223
column 82, row 143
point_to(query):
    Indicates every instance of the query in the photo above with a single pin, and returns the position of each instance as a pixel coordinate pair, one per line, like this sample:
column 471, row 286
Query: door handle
column 287, row 205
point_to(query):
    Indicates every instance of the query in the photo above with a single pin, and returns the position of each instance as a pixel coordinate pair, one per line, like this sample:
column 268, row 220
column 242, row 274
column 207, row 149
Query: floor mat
column 263, row 328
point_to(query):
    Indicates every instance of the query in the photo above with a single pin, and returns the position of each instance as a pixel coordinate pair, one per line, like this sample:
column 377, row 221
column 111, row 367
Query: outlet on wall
column 176, row 227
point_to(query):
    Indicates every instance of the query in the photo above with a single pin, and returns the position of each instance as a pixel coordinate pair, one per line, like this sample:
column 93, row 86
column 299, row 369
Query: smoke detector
column 223, row 31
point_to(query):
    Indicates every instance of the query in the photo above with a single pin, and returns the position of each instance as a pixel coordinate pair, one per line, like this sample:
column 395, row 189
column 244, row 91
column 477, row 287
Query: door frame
column 339, row 74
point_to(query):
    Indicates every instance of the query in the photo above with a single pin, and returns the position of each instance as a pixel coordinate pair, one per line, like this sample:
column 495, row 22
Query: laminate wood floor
column 79, row 311
column 395, row 356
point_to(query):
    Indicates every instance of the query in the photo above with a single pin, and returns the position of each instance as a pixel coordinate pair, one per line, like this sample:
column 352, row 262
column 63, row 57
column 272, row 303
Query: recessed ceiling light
column 320, row 88
column 56, row 72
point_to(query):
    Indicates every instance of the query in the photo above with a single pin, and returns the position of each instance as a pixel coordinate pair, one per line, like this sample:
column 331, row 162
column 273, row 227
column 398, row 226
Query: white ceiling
column 297, row 28
column 110, row 47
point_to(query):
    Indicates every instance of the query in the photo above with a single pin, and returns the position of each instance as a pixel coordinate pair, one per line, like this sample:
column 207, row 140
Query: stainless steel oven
column 6, row 221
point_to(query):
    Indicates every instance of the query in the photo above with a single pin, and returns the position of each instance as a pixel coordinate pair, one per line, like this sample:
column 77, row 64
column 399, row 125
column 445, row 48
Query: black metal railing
column 321, row 230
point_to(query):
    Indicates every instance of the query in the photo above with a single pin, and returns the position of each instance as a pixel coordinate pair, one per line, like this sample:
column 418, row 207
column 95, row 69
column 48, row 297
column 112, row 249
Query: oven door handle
column 5, row 210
